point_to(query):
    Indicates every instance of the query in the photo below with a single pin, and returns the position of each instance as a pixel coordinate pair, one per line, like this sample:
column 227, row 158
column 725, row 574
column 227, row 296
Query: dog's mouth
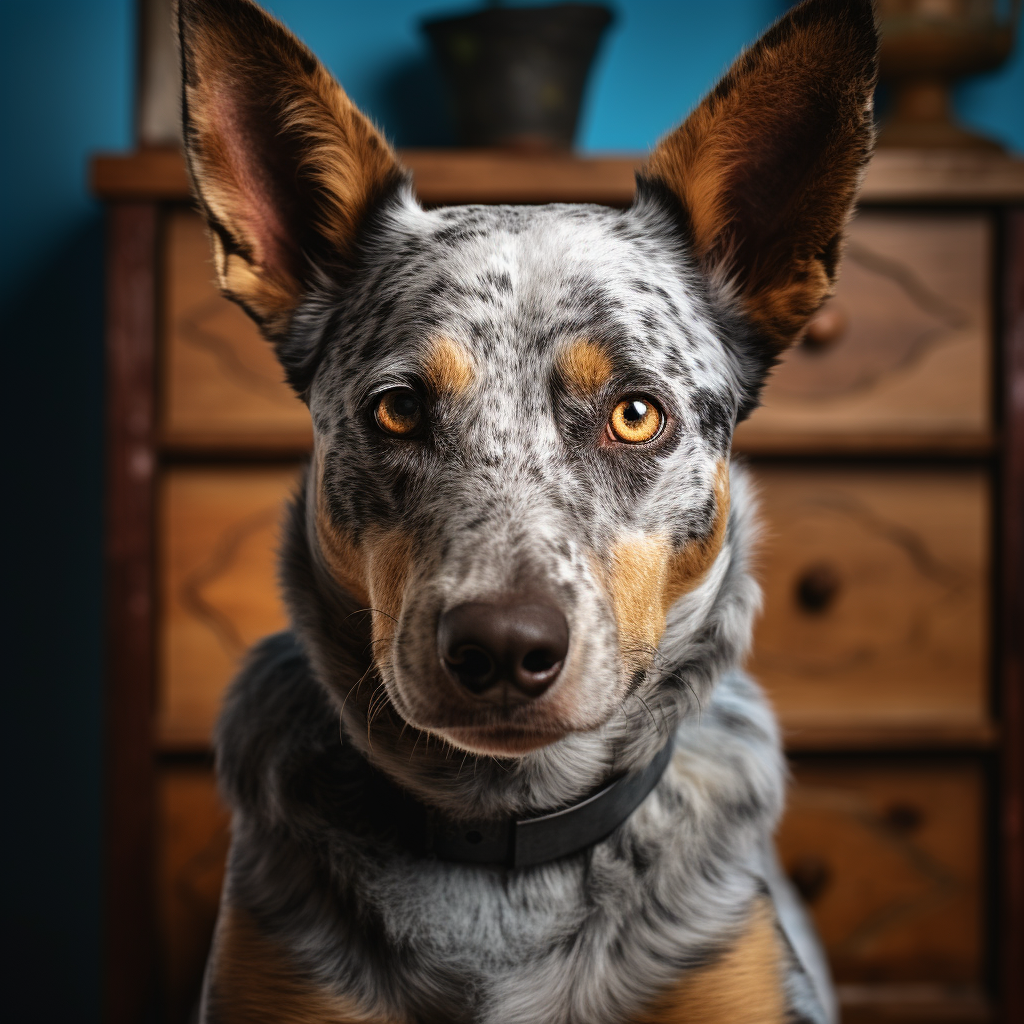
column 500, row 741
column 497, row 730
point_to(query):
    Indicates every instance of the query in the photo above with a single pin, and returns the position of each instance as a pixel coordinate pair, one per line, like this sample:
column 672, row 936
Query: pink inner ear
column 258, row 207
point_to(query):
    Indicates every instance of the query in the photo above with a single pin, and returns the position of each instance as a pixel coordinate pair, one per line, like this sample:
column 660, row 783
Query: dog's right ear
column 284, row 166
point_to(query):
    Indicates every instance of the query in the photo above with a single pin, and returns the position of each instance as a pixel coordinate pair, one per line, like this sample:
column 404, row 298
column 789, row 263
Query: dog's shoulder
column 743, row 985
column 252, row 980
column 274, row 709
column 758, row 978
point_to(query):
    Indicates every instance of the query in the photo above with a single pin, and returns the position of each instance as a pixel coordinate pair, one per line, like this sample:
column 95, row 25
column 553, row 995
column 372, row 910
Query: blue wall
column 66, row 69
column 65, row 83
column 656, row 62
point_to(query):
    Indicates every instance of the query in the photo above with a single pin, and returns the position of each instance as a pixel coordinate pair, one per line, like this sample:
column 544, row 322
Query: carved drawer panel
column 222, row 384
column 901, row 352
column 888, row 855
column 876, row 597
column 193, row 837
column 219, row 592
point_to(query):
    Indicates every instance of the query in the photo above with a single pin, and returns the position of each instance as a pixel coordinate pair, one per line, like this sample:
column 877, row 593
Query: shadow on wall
column 412, row 104
column 52, row 739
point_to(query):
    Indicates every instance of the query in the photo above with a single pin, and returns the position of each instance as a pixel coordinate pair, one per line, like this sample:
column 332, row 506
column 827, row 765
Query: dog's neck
column 708, row 631
column 509, row 841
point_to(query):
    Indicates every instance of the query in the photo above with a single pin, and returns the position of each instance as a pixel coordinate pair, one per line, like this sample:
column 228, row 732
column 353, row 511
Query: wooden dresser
column 889, row 457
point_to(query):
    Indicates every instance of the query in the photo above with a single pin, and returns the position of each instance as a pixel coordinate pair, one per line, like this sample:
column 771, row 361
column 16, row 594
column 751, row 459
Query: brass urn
column 926, row 46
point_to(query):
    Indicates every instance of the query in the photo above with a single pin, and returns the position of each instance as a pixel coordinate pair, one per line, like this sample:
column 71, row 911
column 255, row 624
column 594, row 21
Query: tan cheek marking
column 743, row 987
column 635, row 584
column 374, row 572
column 449, row 367
column 585, row 367
column 687, row 567
column 390, row 559
column 346, row 561
column 251, row 980
column 646, row 578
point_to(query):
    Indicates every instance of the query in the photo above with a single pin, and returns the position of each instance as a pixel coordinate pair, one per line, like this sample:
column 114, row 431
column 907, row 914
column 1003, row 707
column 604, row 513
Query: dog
column 504, row 766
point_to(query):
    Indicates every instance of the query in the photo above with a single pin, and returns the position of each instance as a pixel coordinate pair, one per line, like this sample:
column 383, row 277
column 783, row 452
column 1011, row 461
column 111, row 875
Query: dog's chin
column 498, row 741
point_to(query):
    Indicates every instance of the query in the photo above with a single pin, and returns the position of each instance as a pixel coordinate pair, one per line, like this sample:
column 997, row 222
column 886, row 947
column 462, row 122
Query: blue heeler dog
column 504, row 767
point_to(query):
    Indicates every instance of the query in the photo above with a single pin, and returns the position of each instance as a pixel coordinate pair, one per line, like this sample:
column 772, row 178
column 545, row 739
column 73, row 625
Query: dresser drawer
column 221, row 383
column 876, row 595
column 219, row 531
column 903, row 350
column 887, row 853
column 193, row 837
column 910, row 362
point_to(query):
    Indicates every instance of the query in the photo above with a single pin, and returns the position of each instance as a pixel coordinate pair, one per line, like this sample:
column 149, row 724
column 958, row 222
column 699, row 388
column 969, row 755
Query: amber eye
column 399, row 412
column 635, row 420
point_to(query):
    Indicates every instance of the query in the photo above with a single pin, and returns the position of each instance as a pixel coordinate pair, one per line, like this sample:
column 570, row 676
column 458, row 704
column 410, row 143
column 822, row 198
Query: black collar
column 514, row 842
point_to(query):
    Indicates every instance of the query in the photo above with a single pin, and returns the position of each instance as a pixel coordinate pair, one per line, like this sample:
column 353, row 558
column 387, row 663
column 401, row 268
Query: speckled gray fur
column 509, row 491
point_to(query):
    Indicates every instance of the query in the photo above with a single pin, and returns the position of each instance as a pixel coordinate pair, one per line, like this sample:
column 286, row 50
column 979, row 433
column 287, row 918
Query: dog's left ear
column 768, row 166
column 284, row 165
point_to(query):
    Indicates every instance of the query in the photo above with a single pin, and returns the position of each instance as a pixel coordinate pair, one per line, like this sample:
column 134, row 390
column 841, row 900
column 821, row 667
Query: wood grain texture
column 876, row 598
column 910, row 370
column 888, row 855
column 129, row 953
column 912, row 355
column 1011, row 819
column 221, row 383
column 492, row 176
column 915, row 1003
column 897, row 658
column 193, row 837
column 218, row 586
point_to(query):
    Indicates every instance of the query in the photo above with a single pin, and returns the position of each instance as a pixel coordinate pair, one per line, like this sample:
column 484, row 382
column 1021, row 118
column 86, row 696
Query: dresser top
column 895, row 176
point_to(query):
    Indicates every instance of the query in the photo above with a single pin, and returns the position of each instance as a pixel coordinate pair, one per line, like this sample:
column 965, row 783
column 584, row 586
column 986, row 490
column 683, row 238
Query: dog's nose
column 486, row 645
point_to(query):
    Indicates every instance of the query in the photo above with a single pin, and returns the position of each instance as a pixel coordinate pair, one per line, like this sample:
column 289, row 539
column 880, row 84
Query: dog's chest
column 743, row 984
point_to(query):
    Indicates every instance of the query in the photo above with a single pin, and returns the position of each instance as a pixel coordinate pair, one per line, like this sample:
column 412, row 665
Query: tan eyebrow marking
column 449, row 367
column 585, row 367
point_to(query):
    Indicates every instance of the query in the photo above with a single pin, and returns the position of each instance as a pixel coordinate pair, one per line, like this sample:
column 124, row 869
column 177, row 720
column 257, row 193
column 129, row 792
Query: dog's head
column 523, row 415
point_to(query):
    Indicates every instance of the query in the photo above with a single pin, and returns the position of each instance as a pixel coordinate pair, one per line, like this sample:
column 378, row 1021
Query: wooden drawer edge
column 755, row 442
column 924, row 1004
column 811, row 737
column 277, row 443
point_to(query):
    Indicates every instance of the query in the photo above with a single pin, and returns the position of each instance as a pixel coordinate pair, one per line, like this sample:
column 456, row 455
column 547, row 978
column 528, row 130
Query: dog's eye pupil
column 634, row 411
column 405, row 406
column 399, row 412
column 635, row 420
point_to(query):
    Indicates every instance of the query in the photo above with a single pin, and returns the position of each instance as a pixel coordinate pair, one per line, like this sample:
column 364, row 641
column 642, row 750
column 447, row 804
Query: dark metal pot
column 516, row 74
